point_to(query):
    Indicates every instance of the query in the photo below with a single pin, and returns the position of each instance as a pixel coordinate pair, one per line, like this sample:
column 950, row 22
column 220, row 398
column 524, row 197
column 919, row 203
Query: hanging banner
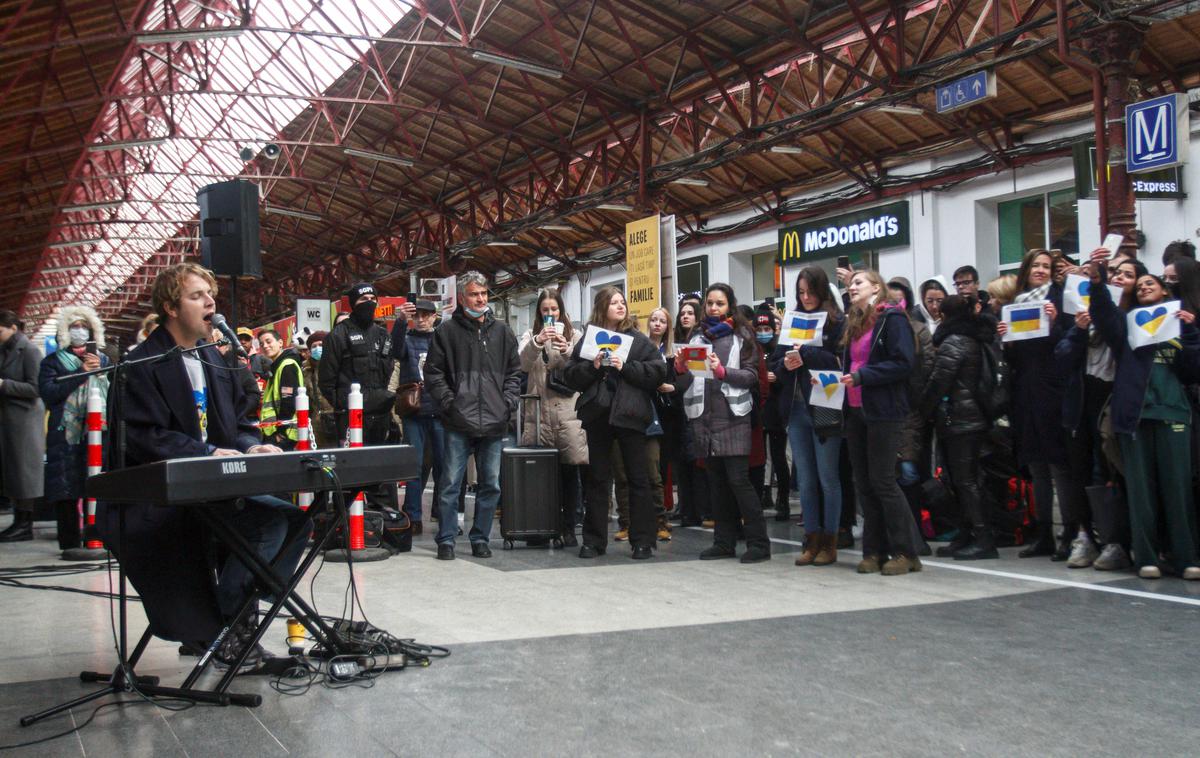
column 1026, row 321
column 596, row 339
column 827, row 389
column 1077, row 293
column 1153, row 324
column 643, row 259
column 802, row 328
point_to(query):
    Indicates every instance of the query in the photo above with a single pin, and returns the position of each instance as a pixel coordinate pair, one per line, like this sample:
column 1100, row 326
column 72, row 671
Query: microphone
column 219, row 321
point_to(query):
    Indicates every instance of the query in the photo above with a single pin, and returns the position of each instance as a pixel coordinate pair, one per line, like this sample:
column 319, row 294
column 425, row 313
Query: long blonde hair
column 861, row 319
column 667, row 342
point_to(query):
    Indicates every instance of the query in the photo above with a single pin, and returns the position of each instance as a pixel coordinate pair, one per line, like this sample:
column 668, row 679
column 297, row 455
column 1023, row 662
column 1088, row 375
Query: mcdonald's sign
column 872, row 229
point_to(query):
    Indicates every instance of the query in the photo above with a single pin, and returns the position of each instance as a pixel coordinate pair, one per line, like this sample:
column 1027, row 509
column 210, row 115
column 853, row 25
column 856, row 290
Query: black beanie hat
column 356, row 291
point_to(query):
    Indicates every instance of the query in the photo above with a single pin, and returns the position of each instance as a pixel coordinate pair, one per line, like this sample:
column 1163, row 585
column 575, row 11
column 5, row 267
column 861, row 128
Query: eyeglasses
column 964, row 283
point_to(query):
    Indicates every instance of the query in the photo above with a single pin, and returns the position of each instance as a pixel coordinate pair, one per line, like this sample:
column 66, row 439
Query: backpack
column 993, row 382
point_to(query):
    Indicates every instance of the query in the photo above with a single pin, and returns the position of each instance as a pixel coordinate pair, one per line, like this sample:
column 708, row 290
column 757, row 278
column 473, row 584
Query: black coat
column 885, row 376
column 408, row 348
column 1038, row 384
column 796, row 386
column 621, row 399
column 66, row 464
column 952, row 390
column 473, row 375
column 163, row 552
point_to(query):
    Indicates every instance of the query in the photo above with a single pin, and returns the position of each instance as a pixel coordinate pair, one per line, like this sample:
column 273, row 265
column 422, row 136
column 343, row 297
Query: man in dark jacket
column 473, row 374
column 423, row 429
column 359, row 351
column 182, row 407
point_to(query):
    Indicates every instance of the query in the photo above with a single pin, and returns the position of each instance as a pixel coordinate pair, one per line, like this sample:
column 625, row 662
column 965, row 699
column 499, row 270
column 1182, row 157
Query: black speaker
column 229, row 243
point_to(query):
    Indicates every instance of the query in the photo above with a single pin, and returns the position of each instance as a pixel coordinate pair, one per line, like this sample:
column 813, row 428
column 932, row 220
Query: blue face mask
column 315, row 353
column 764, row 337
column 474, row 313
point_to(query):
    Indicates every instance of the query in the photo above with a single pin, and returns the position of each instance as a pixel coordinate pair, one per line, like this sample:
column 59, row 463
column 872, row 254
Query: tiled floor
column 552, row 655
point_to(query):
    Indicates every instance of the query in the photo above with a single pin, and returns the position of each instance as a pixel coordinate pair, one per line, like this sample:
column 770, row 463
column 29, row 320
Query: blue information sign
column 966, row 91
column 1156, row 133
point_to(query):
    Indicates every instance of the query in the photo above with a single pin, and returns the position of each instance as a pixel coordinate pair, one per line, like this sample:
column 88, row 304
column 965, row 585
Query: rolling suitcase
column 530, row 492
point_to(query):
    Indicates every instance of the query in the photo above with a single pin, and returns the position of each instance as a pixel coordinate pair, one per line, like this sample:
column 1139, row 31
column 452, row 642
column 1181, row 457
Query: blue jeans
column 265, row 522
column 816, row 463
column 458, row 447
column 420, row 431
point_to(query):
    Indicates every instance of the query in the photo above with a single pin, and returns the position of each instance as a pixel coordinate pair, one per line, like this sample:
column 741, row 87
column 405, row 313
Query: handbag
column 408, row 399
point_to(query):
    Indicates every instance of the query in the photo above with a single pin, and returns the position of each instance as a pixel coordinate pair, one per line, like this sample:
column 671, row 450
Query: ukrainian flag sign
column 1026, row 321
column 802, row 328
column 1153, row 324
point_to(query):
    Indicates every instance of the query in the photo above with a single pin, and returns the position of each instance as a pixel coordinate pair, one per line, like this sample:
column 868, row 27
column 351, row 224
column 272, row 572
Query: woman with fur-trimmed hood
column 66, row 396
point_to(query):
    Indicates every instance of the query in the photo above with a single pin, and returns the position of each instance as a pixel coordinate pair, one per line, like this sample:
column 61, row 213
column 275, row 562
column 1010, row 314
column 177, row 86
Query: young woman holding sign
column 718, row 410
column 815, row 455
column 615, row 405
column 1037, row 401
column 879, row 353
column 1152, row 418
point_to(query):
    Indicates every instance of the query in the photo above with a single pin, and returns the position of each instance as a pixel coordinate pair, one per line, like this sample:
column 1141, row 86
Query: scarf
column 74, row 416
column 740, row 401
column 716, row 328
column 1037, row 293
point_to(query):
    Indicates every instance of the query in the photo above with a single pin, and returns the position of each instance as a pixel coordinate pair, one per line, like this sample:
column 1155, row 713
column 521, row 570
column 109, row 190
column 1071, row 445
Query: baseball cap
column 426, row 305
column 244, row 332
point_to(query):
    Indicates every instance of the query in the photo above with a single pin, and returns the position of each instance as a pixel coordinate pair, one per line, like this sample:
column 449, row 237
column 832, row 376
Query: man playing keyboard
column 183, row 407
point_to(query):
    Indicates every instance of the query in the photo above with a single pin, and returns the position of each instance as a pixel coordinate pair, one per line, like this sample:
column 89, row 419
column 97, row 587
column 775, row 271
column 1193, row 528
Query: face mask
column 764, row 337
column 79, row 335
column 364, row 313
column 315, row 353
column 474, row 313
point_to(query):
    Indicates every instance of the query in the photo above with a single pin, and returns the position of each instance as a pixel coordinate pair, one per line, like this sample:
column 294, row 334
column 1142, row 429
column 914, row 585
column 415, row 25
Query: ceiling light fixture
column 101, row 147
column 277, row 211
column 92, row 207
column 902, row 110
column 503, row 243
column 690, row 182
column 614, row 207
column 526, row 66
column 382, row 157
column 74, row 243
column 189, row 35
column 557, row 228
column 787, row 150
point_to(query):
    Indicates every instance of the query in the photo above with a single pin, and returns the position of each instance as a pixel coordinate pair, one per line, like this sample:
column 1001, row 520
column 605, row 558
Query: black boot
column 783, row 508
column 981, row 548
column 1063, row 551
column 960, row 541
column 1043, row 544
column 21, row 529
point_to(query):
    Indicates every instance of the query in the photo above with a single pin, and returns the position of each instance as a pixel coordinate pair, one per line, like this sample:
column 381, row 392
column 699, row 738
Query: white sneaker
column 1083, row 553
column 1192, row 573
column 1150, row 572
column 1112, row 558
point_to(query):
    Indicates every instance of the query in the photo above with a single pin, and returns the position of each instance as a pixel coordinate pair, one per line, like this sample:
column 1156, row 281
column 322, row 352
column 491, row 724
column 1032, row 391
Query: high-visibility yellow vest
column 270, row 402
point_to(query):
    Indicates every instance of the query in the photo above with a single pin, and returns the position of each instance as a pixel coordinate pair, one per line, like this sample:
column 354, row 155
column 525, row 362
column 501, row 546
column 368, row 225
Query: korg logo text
column 233, row 467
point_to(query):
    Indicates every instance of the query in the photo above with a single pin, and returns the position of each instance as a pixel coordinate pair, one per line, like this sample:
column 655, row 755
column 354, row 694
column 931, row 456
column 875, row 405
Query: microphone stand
column 123, row 678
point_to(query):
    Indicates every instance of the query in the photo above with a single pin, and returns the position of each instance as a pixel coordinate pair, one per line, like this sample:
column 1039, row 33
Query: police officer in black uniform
column 359, row 350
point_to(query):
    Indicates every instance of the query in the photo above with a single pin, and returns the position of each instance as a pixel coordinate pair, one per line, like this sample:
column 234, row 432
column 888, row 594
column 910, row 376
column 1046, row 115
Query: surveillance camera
column 271, row 151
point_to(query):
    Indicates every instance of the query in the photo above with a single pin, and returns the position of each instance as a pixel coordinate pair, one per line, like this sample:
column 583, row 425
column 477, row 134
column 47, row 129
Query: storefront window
column 763, row 268
column 1048, row 220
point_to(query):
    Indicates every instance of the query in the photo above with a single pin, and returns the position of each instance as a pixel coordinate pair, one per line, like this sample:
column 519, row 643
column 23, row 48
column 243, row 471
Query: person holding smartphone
column 65, row 393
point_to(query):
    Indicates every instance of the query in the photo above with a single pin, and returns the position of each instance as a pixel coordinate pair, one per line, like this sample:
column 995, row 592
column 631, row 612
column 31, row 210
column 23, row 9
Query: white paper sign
column 695, row 357
column 827, row 389
column 1026, row 321
column 596, row 339
column 314, row 315
column 1153, row 324
column 802, row 328
column 1077, row 293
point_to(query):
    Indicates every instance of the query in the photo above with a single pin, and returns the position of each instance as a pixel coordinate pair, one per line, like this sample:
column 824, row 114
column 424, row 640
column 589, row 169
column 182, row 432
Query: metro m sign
column 1156, row 133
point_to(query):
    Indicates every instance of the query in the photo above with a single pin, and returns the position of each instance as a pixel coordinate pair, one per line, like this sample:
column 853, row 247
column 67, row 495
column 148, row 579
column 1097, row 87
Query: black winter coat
column 796, row 386
column 885, row 377
column 408, row 348
column 1038, row 384
column 66, row 464
column 473, row 375
column 622, row 399
column 952, row 390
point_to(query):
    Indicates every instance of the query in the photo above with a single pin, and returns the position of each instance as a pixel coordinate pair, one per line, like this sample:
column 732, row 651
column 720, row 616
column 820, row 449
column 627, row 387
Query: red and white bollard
column 305, row 499
column 93, row 548
column 357, row 536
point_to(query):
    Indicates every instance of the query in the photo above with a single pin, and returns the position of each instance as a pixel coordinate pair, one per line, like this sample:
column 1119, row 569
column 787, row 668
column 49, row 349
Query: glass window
column 1050, row 221
column 762, row 267
column 692, row 275
column 1063, row 221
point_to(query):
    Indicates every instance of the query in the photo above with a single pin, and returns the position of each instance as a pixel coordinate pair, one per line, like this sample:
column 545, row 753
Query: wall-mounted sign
column 966, row 91
column 1163, row 184
column 871, row 229
column 1156, row 133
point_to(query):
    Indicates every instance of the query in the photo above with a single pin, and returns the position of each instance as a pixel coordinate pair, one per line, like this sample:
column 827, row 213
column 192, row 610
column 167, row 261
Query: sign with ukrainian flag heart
column 1153, row 324
column 596, row 339
column 1026, row 321
column 802, row 328
column 1077, row 293
column 827, row 389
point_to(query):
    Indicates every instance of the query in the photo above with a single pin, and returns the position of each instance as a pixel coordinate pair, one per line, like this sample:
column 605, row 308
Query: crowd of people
column 943, row 420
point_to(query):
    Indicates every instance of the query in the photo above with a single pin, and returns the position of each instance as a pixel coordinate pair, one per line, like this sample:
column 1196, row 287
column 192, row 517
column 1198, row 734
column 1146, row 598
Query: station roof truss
column 513, row 136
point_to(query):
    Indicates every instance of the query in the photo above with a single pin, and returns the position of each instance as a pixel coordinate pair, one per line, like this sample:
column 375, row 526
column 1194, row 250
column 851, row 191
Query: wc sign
column 1156, row 133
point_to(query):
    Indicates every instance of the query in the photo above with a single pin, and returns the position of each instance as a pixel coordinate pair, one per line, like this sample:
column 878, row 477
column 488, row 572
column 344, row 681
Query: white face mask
column 78, row 335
